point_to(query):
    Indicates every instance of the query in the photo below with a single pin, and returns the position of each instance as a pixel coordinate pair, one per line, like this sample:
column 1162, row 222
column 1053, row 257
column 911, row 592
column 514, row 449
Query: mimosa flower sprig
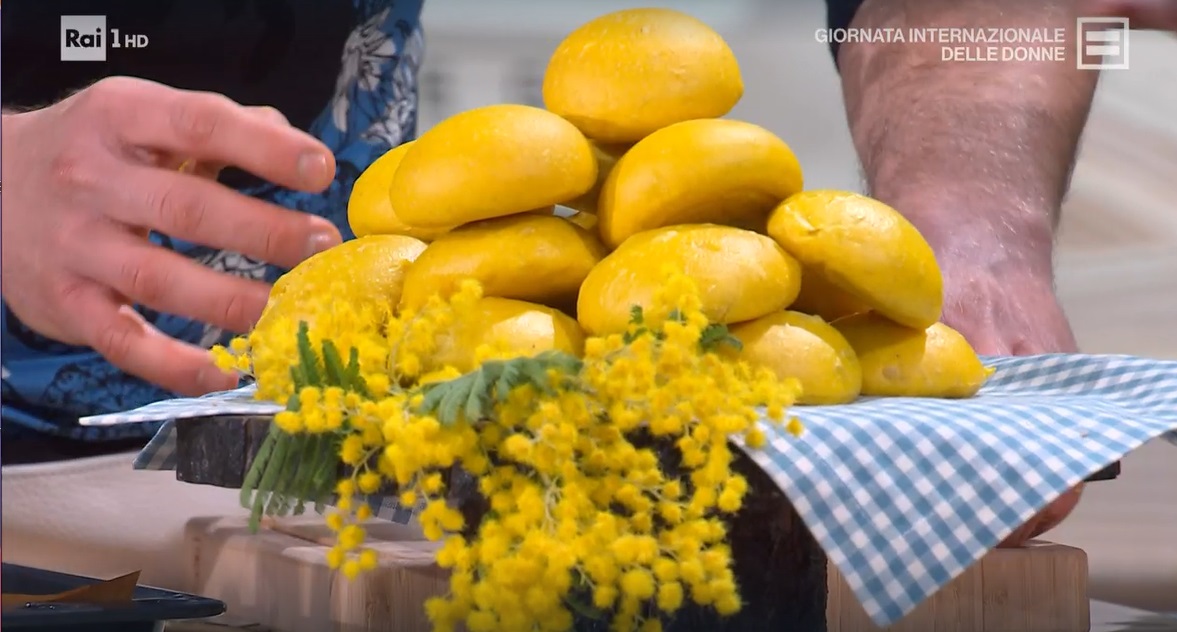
column 586, row 516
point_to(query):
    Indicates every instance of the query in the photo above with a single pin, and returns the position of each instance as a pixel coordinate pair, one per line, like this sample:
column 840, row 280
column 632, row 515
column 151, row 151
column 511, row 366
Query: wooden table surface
column 1105, row 617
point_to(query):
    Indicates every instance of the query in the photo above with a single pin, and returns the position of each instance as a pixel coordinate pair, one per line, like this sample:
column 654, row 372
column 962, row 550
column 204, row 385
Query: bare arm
column 977, row 154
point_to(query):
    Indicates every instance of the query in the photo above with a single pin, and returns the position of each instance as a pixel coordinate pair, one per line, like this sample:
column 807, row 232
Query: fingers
column 207, row 170
column 130, row 343
column 212, row 170
column 979, row 329
column 168, row 282
column 1141, row 14
column 267, row 113
column 1019, row 536
column 985, row 341
column 1047, row 519
column 204, row 212
column 211, row 128
column 1059, row 510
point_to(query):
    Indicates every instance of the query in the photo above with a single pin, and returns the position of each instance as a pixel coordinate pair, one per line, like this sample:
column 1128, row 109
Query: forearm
column 977, row 154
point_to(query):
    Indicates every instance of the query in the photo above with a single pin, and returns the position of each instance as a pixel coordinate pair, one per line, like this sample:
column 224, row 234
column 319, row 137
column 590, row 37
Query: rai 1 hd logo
column 1102, row 43
column 86, row 38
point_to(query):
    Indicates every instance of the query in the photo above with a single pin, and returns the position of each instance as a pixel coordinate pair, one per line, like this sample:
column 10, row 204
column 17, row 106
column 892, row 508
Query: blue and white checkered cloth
column 905, row 494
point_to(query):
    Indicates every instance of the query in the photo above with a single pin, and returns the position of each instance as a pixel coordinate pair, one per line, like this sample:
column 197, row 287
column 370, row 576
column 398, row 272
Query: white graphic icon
column 1102, row 43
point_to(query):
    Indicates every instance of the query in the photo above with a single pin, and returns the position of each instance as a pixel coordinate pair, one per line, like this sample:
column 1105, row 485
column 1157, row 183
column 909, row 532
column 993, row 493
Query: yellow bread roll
column 821, row 298
column 865, row 248
column 537, row 258
column 804, row 347
column 509, row 328
column 704, row 171
column 741, row 275
column 625, row 74
column 369, row 208
column 364, row 275
column 901, row 362
column 366, row 269
column 490, row 162
column 607, row 156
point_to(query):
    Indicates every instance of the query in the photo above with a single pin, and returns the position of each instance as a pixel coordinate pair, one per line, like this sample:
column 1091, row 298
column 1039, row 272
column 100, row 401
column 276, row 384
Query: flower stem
column 264, row 500
column 249, row 486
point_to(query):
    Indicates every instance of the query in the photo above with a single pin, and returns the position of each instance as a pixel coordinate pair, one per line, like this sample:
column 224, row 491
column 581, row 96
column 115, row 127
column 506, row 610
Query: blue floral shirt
column 47, row 386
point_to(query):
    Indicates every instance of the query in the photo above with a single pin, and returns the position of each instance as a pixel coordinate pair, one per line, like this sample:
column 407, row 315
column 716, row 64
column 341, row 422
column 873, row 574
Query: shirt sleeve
column 839, row 14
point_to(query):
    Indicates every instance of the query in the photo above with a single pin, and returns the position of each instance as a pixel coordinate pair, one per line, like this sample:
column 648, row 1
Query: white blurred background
column 1117, row 270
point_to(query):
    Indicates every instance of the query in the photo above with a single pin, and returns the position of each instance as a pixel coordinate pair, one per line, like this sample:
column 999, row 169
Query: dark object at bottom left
column 147, row 611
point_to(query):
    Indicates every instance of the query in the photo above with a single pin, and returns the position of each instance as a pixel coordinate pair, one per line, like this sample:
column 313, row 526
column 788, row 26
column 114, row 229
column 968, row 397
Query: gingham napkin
column 905, row 494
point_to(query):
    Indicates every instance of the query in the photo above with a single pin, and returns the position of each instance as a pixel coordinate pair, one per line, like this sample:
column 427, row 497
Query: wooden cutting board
column 279, row 579
column 1039, row 588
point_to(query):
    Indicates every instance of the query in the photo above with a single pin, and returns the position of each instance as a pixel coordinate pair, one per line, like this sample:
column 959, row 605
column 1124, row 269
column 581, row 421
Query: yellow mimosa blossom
column 569, row 453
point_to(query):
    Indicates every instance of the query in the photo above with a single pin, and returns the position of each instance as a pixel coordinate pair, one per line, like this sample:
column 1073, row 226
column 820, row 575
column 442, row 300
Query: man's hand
column 1051, row 331
column 978, row 156
column 1005, row 309
column 1002, row 302
column 1014, row 314
column 90, row 177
